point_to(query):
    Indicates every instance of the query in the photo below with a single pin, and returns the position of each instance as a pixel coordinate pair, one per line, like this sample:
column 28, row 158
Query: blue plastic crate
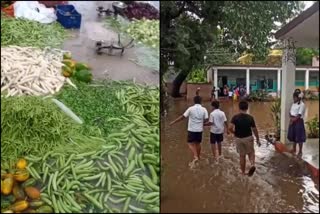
column 68, row 17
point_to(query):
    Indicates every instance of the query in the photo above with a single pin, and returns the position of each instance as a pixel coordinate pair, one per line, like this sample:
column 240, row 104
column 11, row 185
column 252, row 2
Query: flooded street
column 82, row 45
column 280, row 183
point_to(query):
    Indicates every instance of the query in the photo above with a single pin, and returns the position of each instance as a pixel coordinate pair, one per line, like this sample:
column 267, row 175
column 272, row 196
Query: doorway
column 222, row 81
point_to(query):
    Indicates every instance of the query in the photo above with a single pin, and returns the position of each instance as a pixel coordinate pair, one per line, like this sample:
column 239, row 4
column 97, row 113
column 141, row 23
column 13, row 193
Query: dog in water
column 271, row 138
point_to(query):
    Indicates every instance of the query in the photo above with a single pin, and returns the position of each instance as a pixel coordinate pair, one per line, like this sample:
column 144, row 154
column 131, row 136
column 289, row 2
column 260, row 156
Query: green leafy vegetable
column 23, row 32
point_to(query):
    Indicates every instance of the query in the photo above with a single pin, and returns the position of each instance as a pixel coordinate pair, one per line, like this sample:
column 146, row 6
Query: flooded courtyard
column 280, row 184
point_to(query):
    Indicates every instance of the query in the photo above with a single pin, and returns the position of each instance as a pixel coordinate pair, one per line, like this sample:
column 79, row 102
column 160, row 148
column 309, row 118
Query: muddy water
column 280, row 183
column 82, row 45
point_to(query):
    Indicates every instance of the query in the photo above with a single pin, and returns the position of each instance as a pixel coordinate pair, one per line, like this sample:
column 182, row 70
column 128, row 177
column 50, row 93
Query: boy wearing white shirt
column 197, row 115
column 218, row 123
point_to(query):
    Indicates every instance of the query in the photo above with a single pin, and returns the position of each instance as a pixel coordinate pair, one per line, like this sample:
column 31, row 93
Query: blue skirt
column 297, row 132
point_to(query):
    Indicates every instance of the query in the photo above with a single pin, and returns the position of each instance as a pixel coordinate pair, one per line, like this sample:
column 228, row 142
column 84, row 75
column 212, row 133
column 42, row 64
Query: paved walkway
column 310, row 151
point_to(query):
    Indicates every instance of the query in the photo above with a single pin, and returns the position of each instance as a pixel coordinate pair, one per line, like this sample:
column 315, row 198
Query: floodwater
column 280, row 184
column 82, row 45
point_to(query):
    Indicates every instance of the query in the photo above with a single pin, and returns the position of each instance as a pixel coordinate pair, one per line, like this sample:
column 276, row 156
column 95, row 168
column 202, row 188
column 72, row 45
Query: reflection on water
column 280, row 184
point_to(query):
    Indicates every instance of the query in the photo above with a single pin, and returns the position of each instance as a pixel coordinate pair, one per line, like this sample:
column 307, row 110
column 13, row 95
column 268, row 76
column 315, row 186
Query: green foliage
column 188, row 28
column 313, row 127
column 197, row 76
column 304, row 56
column 276, row 114
column 309, row 95
column 258, row 95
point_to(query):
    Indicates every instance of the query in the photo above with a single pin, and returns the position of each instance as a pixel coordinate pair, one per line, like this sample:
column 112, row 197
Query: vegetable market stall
column 99, row 155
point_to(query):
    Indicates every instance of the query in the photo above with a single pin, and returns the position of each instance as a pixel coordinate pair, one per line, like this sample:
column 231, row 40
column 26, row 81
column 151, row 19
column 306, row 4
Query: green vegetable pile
column 23, row 32
column 32, row 125
column 145, row 31
column 95, row 104
column 122, row 175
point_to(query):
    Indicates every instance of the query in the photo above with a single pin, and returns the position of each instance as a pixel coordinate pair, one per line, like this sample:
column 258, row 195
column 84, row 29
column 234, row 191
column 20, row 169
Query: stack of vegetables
column 19, row 193
column 81, row 71
column 140, row 10
column 31, row 71
column 81, row 174
column 145, row 31
column 27, row 33
column 33, row 125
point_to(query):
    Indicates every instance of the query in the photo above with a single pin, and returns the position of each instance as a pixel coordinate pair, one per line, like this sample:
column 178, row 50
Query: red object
column 52, row 3
column 280, row 147
column 8, row 10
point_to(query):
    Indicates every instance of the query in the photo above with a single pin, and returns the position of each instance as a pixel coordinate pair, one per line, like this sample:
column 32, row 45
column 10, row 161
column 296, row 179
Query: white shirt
column 217, row 117
column 230, row 93
column 197, row 114
column 297, row 109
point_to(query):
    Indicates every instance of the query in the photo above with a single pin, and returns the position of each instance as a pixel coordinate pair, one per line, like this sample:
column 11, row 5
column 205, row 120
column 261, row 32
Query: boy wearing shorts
column 218, row 123
column 242, row 125
column 197, row 116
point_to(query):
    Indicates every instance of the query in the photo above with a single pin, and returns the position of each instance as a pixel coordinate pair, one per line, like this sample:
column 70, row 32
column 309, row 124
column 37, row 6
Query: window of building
column 270, row 83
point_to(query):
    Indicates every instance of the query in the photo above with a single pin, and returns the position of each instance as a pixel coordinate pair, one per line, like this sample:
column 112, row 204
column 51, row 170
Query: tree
column 188, row 28
column 304, row 55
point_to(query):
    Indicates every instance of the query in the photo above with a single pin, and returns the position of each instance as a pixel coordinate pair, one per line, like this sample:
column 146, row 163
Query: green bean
column 126, row 205
column 94, row 201
column 49, row 184
column 54, row 181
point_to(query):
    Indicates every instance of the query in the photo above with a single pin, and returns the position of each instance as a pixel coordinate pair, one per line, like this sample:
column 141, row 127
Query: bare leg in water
column 213, row 148
column 219, row 148
column 252, row 158
column 193, row 148
column 294, row 149
column 198, row 150
column 243, row 164
column 300, row 149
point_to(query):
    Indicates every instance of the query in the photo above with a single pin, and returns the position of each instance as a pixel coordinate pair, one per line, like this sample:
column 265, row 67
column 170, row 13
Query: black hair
column 215, row 104
column 197, row 100
column 296, row 95
column 243, row 105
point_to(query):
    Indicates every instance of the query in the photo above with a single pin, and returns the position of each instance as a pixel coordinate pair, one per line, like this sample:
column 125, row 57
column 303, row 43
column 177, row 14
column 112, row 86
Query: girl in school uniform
column 296, row 131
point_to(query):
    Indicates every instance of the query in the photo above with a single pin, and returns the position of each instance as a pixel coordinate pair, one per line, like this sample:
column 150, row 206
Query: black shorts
column 194, row 137
column 216, row 138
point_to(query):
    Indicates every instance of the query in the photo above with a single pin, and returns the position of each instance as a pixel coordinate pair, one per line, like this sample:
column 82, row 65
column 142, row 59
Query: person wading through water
column 218, row 123
column 197, row 116
column 242, row 125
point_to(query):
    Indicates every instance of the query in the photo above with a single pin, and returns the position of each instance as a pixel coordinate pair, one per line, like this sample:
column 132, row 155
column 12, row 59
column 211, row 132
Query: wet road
column 82, row 45
column 280, row 184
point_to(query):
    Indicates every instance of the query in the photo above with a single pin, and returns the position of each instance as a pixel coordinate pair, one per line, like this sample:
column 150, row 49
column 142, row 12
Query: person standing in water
column 197, row 116
column 218, row 123
column 198, row 91
column 296, row 131
column 213, row 94
column 242, row 125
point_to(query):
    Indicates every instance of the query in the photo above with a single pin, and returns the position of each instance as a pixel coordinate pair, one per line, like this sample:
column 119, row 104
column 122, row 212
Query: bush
column 197, row 76
column 313, row 127
column 258, row 95
column 309, row 95
column 276, row 114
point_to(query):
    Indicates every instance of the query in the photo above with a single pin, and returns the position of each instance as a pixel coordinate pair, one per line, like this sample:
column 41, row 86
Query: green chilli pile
column 122, row 175
column 27, row 33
